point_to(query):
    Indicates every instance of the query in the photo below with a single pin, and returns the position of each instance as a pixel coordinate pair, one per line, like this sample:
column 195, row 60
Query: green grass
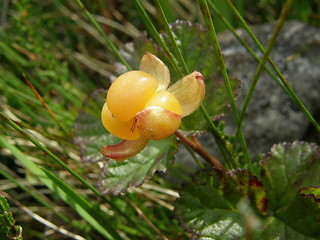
column 67, row 50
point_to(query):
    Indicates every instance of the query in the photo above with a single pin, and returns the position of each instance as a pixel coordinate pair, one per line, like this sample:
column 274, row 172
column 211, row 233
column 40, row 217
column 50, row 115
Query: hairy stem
column 198, row 148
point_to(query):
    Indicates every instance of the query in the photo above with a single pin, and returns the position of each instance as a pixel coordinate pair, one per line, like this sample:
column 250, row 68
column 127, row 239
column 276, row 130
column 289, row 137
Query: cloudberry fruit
column 134, row 108
column 121, row 129
column 129, row 93
column 165, row 100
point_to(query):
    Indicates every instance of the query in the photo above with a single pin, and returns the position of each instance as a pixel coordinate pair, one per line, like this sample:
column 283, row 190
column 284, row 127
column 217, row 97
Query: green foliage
column 95, row 217
column 68, row 52
column 212, row 205
column 8, row 229
column 91, row 136
column 286, row 173
column 116, row 177
column 283, row 203
column 201, row 58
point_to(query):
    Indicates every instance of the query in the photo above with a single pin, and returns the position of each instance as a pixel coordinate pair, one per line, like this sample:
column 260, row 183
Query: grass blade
column 211, row 29
column 285, row 85
column 97, row 220
column 107, row 40
column 165, row 23
column 49, row 153
column 247, row 47
column 42, row 176
column 156, row 36
column 42, row 199
column 37, row 94
column 67, row 168
column 153, row 32
column 13, row 56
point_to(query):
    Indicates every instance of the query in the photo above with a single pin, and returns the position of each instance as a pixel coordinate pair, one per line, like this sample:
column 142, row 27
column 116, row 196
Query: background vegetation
column 52, row 58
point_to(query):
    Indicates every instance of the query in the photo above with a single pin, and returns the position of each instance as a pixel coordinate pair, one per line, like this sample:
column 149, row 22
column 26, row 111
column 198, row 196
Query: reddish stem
column 198, row 148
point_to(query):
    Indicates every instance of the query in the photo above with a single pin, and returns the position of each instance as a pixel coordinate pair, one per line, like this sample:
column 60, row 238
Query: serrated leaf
column 199, row 56
column 288, row 168
column 303, row 215
column 210, row 206
column 291, row 177
column 8, row 229
column 119, row 176
column 115, row 177
column 311, row 191
column 276, row 229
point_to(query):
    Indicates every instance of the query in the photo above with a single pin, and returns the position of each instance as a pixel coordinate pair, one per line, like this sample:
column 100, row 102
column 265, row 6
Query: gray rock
column 272, row 117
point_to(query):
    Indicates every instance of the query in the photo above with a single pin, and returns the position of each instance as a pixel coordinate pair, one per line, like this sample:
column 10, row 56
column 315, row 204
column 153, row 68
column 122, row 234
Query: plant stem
column 247, row 47
column 192, row 153
column 186, row 71
column 263, row 61
column 220, row 142
column 208, row 20
column 198, row 148
column 140, row 212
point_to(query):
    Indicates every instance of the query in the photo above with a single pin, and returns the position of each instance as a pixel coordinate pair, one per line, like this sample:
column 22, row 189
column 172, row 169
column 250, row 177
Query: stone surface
column 272, row 117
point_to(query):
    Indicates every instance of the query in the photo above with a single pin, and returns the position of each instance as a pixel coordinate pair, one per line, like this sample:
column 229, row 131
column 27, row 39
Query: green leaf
column 303, row 214
column 116, row 177
column 8, row 229
column 288, row 168
column 273, row 228
column 311, row 191
column 119, row 176
column 212, row 205
column 199, row 56
column 291, row 177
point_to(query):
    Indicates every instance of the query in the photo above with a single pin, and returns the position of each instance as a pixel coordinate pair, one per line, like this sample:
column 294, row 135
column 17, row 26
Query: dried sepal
column 156, row 123
column 190, row 92
column 156, row 68
column 125, row 149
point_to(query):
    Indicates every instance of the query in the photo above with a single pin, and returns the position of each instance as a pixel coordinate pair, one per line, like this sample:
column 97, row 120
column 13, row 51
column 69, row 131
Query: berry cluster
column 134, row 108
